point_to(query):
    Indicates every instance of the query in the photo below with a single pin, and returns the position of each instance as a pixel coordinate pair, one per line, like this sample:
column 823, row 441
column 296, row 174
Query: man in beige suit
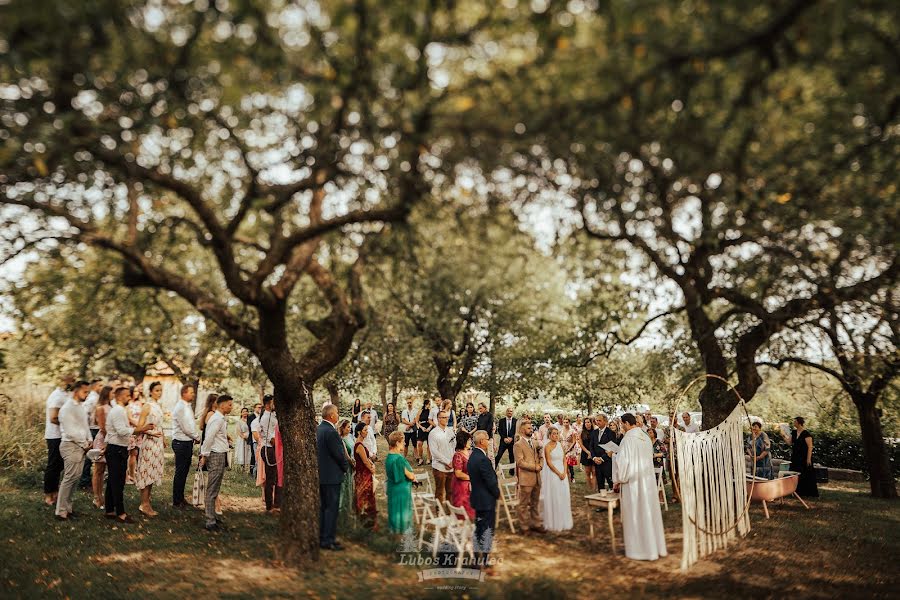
column 527, row 454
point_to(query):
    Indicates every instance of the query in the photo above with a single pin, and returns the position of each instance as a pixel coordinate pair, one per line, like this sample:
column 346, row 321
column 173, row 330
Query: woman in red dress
column 362, row 479
column 460, row 487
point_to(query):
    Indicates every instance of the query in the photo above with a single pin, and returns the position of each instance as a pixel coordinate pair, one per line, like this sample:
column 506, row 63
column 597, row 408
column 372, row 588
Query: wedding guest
column 209, row 410
column 75, row 436
column 90, row 408
column 399, row 478
column 408, row 419
column 371, row 444
column 100, row 412
column 557, row 501
column 363, row 483
column 507, row 429
column 119, row 432
column 757, row 448
column 529, row 464
column 468, row 422
column 135, row 406
column 332, row 460
column 373, row 418
column 214, row 456
column 801, row 458
column 391, row 421
column 460, row 487
column 184, row 436
column 484, row 496
column 267, row 424
column 442, row 441
column 586, row 454
column 436, row 405
column 149, row 469
column 53, row 437
column 423, row 428
column 568, row 439
column 660, row 433
column 345, row 506
column 659, row 449
column 602, row 457
column 257, row 411
column 689, row 427
column 447, row 407
column 242, row 444
column 542, row 435
column 355, row 411
column 486, row 423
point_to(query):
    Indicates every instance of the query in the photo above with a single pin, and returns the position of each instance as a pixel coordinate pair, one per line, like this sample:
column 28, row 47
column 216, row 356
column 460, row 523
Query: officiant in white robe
column 642, row 524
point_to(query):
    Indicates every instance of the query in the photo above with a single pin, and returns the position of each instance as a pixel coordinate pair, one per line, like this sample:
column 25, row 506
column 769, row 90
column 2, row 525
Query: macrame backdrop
column 710, row 470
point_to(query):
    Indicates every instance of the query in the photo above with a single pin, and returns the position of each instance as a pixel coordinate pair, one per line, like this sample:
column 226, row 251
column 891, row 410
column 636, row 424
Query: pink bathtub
column 767, row 490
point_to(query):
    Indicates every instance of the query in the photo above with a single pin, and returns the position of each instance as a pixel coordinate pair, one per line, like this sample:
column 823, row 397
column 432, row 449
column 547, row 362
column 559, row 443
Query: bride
column 555, row 486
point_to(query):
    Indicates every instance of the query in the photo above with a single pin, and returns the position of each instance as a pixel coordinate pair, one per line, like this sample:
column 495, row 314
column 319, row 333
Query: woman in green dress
column 347, row 498
column 399, row 486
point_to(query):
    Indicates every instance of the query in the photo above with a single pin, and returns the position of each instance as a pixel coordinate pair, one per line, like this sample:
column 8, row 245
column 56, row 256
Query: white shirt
column 73, row 423
column 216, row 435
column 374, row 414
column 90, row 409
column 266, row 428
column 55, row 400
column 118, row 429
column 409, row 414
column 432, row 415
column 441, row 443
column 184, row 428
column 692, row 428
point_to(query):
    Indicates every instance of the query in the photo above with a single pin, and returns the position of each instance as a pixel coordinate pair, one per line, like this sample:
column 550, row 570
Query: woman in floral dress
column 150, row 459
column 362, row 480
column 391, row 421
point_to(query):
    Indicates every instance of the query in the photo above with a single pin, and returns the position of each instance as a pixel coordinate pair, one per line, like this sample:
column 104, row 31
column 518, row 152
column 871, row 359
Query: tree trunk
column 299, row 525
column 334, row 394
column 443, row 383
column 881, row 479
column 383, row 395
column 395, row 387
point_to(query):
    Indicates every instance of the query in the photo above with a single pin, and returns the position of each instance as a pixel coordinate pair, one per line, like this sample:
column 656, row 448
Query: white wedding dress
column 555, row 493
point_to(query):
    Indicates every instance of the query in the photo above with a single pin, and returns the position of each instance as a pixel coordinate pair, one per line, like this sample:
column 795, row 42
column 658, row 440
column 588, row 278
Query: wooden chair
column 434, row 519
column 509, row 496
column 660, row 487
column 460, row 534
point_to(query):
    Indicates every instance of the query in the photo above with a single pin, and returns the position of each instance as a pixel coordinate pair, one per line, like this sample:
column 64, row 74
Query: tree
column 280, row 139
column 864, row 338
column 727, row 163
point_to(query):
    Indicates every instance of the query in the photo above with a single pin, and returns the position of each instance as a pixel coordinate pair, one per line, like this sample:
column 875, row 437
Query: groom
column 332, row 466
column 527, row 456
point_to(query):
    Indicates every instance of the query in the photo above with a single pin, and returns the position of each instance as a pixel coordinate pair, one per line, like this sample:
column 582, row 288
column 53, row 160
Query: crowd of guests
column 108, row 435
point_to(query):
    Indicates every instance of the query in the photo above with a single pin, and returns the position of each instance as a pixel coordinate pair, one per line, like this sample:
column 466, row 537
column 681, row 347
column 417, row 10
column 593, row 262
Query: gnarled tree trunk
column 881, row 479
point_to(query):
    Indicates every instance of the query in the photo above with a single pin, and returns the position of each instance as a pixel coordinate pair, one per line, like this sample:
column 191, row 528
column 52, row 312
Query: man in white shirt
column 264, row 434
column 374, row 414
column 52, row 435
column 184, row 436
column 214, row 454
column 90, row 409
column 543, row 432
column 689, row 427
column 76, row 440
column 118, row 435
column 370, row 443
column 408, row 418
column 442, row 442
column 660, row 432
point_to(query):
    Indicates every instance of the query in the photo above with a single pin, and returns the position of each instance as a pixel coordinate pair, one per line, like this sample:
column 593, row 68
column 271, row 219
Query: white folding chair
column 424, row 491
column 434, row 519
column 459, row 534
column 660, row 487
column 509, row 495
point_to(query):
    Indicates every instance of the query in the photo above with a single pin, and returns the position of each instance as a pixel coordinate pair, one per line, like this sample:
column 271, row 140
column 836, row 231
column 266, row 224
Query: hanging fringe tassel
column 714, row 498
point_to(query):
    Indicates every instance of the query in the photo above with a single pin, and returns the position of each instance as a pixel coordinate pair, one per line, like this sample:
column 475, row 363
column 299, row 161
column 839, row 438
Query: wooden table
column 610, row 501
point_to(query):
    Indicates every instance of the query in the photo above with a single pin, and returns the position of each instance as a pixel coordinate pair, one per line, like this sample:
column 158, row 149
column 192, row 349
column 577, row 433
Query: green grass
column 846, row 547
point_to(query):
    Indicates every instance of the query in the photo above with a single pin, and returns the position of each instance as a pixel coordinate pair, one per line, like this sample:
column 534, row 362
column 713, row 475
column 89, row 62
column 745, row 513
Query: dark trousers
column 271, row 491
column 329, row 500
column 484, row 535
column 54, row 467
column 116, row 465
column 86, row 471
column 604, row 474
column 184, row 454
column 508, row 448
column 252, row 443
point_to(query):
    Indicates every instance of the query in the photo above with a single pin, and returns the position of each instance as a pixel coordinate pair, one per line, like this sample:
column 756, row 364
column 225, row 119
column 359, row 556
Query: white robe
column 642, row 525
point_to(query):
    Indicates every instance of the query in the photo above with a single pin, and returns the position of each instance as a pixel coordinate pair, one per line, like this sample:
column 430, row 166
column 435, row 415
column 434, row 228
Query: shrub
column 838, row 449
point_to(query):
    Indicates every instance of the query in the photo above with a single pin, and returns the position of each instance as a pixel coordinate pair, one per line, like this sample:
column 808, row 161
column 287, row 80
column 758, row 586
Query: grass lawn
column 846, row 546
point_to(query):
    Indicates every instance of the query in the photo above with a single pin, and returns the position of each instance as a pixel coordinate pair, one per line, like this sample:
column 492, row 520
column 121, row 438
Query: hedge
column 836, row 449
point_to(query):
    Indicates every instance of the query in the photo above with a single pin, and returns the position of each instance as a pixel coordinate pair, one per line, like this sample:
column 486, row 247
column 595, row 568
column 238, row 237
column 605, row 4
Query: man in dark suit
column 332, row 466
column 486, row 423
column 507, row 430
column 602, row 434
column 483, row 497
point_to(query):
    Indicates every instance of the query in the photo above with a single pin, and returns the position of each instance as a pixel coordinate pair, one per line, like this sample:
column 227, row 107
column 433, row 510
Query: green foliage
column 839, row 449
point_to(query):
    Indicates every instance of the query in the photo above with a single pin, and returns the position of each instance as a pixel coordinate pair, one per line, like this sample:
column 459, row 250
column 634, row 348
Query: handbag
column 198, row 493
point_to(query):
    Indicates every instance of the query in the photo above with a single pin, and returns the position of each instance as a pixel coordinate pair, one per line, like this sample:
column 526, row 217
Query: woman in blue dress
column 757, row 447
